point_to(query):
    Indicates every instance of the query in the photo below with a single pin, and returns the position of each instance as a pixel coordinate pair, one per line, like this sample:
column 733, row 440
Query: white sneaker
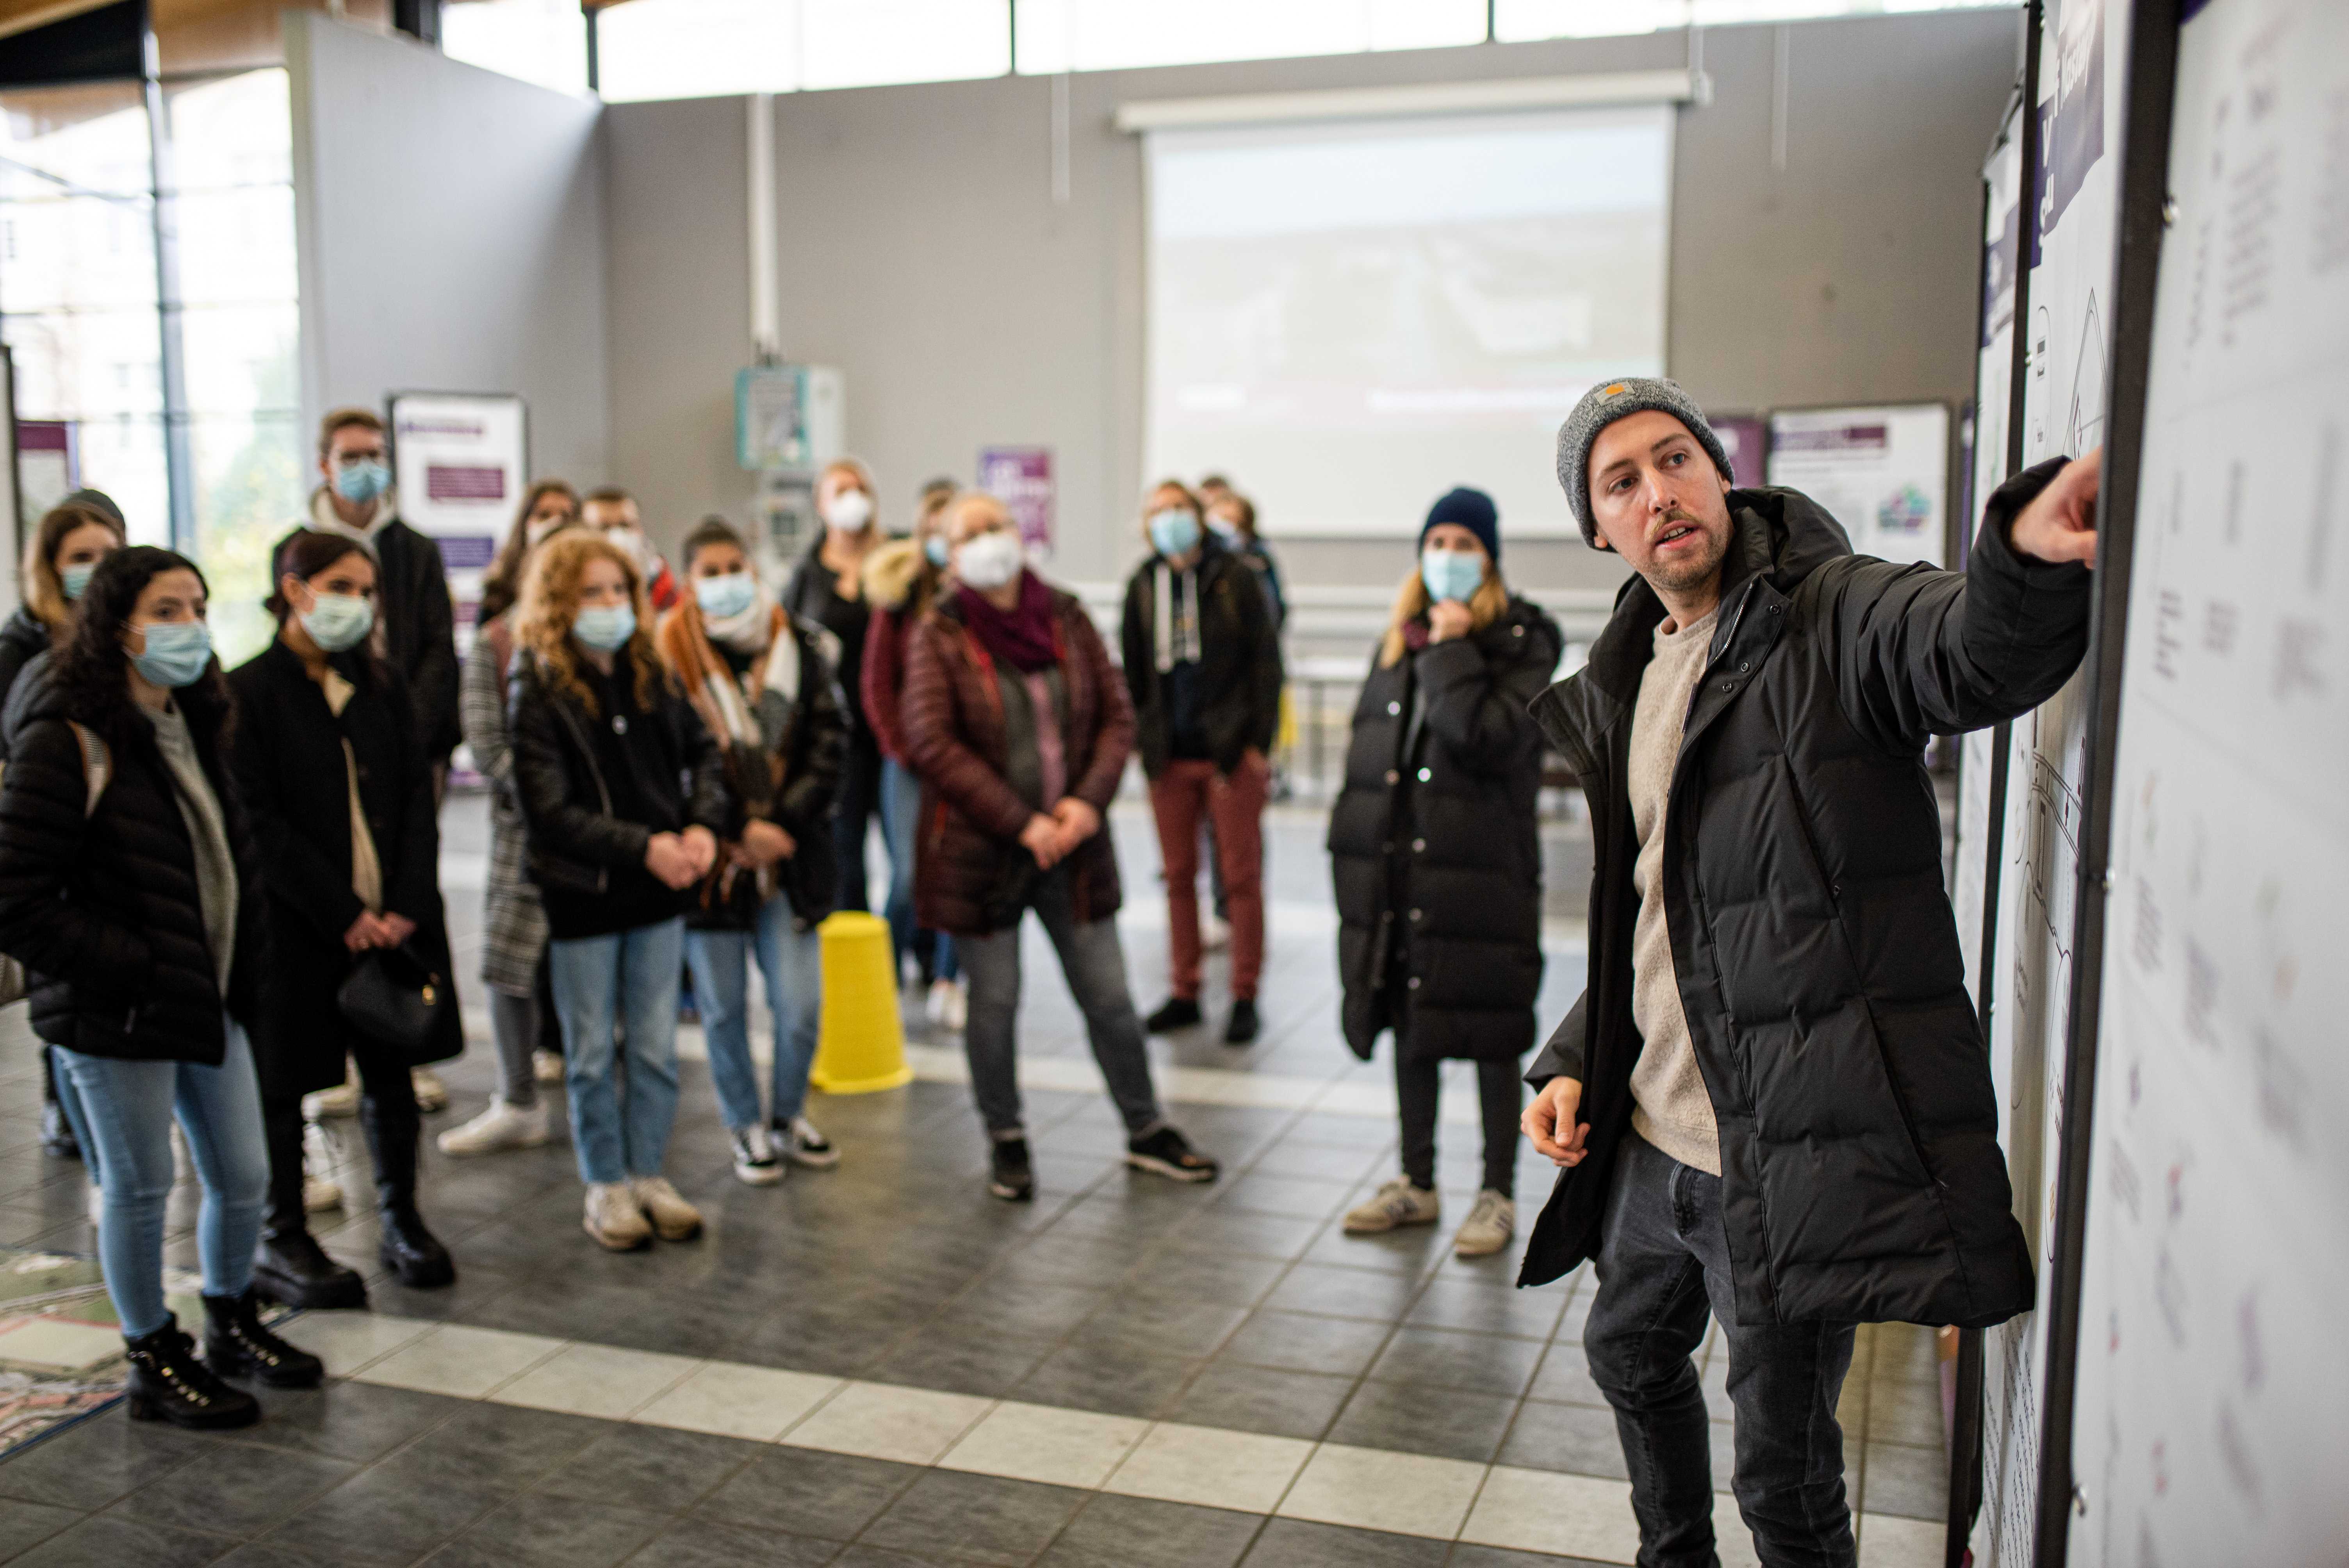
column 956, row 1011
column 1215, row 934
column 1490, row 1225
column 546, row 1067
column 615, row 1218
column 803, row 1145
column 432, row 1094
column 498, row 1128
column 1393, row 1206
column 321, row 1155
column 674, row 1219
column 755, row 1164
column 934, row 1007
column 343, row 1100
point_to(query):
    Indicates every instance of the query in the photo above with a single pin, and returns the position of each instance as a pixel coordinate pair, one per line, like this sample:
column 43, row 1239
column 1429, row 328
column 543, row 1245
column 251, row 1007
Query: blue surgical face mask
column 1450, row 573
column 177, row 653
column 606, row 627
column 1175, row 532
column 361, row 482
column 724, row 597
column 75, row 579
column 935, row 548
column 340, row 621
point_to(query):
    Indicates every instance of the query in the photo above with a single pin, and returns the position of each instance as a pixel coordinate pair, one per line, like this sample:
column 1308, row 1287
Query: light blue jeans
column 128, row 1108
column 604, row 986
column 901, row 827
column 792, row 963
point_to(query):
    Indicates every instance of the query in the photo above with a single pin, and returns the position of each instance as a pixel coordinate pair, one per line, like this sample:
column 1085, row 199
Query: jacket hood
column 891, row 571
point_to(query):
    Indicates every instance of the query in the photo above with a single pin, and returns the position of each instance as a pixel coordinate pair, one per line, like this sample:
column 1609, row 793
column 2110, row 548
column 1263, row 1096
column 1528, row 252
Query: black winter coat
column 1433, row 846
column 104, row 913
column 420, row 631
column 287, row 755
column 1817, row 954
column 23, row 639
column 1239, row 661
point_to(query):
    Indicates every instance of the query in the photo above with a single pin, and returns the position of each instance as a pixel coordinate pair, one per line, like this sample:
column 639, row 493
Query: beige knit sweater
column 1673, row 1109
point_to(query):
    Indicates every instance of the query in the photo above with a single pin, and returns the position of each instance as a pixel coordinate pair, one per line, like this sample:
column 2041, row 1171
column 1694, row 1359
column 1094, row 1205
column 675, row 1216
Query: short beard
column 1680, row 577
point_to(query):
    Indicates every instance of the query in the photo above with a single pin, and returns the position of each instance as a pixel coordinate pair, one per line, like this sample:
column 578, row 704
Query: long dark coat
column 1433, row 848
column 287, row 753
column 1240, row 662
column 1814, row 945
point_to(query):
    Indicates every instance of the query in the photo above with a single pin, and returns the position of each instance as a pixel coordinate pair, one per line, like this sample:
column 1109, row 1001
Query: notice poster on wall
column 1021, row 479
column 2213, row 1399
column 1883, row 473
column 1746, row 439
column 461, row 462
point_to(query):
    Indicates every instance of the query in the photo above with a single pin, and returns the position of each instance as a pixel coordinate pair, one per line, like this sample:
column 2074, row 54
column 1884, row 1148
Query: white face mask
column 849, row 510
column 989, row 561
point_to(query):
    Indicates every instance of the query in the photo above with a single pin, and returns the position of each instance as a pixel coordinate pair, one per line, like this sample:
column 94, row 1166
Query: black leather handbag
column 397, row 999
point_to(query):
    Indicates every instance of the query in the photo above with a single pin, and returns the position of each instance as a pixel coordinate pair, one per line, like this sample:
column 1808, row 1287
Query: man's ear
column 1599, row 538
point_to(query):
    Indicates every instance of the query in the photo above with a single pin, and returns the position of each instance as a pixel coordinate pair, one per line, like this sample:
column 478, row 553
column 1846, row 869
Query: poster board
column 2212, row 1409
column 1882, row 473
column 1021, row 479
column 461, row 462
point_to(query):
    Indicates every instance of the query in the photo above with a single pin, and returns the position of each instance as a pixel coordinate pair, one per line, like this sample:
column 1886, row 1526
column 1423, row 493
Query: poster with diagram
column 2213, row 1399
column 2070, row 237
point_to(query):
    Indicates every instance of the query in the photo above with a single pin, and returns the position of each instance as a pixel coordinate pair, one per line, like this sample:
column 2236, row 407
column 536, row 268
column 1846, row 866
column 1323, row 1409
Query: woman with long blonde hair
column 622, row 800
column 1436, row 859
column 828, row 589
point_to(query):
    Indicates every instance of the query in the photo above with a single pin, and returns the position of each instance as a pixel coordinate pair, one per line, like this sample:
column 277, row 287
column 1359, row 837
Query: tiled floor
column 880, row 1366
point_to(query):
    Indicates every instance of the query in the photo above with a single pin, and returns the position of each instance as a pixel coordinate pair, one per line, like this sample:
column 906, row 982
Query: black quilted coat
column 1433, row 848
column 1814, row 947
column 104, row 913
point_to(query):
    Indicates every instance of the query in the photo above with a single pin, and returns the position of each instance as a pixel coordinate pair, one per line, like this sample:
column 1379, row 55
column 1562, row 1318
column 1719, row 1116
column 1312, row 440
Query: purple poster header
column 1021, row 479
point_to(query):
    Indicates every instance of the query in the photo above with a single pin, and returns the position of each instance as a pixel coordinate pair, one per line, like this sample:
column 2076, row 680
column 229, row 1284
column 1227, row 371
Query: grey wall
column 921, row 252
column 451, row 228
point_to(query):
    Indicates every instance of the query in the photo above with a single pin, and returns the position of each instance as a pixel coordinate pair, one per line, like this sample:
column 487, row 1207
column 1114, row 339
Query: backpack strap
column 97, row 767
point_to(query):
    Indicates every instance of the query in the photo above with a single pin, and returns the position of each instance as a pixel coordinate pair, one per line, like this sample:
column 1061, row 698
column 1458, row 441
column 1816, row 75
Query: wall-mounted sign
column 789, row 417
column 461, row 462
column 1746, row 439
column 1021, row 479
column 1884, row 473
column 48, row 464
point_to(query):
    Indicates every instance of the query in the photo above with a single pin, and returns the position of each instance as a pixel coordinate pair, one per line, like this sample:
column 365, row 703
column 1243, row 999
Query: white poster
column 2214, row 1410
column 461, row 462
column 1883, row 473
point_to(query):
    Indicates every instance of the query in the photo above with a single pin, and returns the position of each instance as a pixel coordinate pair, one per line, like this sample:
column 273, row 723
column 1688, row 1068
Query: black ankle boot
column 236, row 1344
column 408, row 1248
column 291, row 1268
column 169, row 1384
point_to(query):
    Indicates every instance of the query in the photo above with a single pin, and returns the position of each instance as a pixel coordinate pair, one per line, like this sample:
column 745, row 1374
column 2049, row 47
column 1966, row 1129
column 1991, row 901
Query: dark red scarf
column 1021, row 637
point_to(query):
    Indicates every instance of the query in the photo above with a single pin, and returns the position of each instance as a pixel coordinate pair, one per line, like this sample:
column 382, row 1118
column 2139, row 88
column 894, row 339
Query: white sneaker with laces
column 546, row 1067
column 802, row 1144
column 1393, row 1206
column 320, row 1156
column 755, row 1164
column 1216, row 935
column 616, row 1219
column 343, row 1100
column 432, row 1094
column 1490, row 1225
column 674, row 1219
column 498, row 1128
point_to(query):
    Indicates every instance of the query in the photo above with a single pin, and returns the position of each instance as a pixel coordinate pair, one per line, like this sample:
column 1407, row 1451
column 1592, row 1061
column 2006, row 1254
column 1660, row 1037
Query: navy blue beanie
column 1472, row 510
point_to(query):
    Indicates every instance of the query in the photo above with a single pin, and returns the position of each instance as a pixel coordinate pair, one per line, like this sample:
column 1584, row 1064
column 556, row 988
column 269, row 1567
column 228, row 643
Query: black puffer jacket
column 1816, row 951
column 420, row 625
column 23, row 638
column 1240, row 662
column 104, row 913
column 1433, row 846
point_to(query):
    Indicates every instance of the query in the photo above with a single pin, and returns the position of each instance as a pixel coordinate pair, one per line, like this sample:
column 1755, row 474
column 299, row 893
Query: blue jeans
column 901, row 826
column 604, row 985
column 128, row 1108
column 792, row 963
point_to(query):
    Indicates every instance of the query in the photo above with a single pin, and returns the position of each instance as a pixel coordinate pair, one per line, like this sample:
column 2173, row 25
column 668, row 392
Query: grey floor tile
column 653, row 1468
column 1230, row 1279
column 538, row 1531
column 1412, row 1419
column 799, row 1491
column 501, row 1445
column 26, row 1525
column 1028, row 1309
column 256, row 1554
column 704, row 1543
column 104, row 1540
column 1302, row 1342
column 1911, row 1481
column 355, row 1421
column 233, row 1489
column 977, row 1518
column 386, row 1517
column 1487, row 1308
column 1494, row 1557
column 1260, row 1399
column 90, row 1465
column 1293, row 1543
column 1295, row 1197
column 1160, row 1324
column 988, row 1365
column 1245, row 1233
column 1112, row 1379
column 1565, row 1377
column 1485, row 1362
column 1375, row 1293
column 1136, row 1533
column 875, row 1557
column 1408, row 1254
column 1576, row 1438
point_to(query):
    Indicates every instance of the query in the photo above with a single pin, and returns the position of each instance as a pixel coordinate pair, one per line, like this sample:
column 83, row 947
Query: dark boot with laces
column 169, row 1384
column 237, row 1344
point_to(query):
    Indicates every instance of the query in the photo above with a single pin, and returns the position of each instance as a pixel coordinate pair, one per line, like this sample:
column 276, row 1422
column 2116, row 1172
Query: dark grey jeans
column 1663, row 1268
column 1094, row 965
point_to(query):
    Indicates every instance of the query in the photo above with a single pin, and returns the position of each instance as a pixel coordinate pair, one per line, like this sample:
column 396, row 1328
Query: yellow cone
column 861, row 1044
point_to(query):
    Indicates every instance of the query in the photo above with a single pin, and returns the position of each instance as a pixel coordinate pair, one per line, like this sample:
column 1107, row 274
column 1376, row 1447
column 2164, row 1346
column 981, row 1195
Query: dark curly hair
column 92, row 674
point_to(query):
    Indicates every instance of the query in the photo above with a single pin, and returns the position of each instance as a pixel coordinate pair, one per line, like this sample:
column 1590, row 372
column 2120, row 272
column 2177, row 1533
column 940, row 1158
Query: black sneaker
column 1244, row 1028
column 1167, row 1152
column 1180, row 1013
column 1012, row 1177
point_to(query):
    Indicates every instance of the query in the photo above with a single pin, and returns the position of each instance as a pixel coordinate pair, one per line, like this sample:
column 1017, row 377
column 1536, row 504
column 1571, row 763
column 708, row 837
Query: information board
column 461, row 462
column 1883, row 473
column 2212, row 1417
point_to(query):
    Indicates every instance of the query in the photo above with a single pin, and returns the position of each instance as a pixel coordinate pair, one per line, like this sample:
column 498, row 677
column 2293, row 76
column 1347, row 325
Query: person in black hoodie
column 71, row 538
column 622, row 798
column 128, row 891
column 340, row 796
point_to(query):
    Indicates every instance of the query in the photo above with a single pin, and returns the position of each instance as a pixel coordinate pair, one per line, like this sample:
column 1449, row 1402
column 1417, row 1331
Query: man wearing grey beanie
column 1772, row 1103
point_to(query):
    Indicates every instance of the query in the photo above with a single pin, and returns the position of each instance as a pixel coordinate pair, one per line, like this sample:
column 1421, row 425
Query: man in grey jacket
column 1771, row 1104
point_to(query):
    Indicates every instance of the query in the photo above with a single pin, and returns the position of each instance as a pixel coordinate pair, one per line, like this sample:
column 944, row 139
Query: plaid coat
column 513, row 923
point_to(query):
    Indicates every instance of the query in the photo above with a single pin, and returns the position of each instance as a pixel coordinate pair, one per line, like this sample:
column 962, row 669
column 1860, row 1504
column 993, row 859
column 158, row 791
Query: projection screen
column 1349, row 318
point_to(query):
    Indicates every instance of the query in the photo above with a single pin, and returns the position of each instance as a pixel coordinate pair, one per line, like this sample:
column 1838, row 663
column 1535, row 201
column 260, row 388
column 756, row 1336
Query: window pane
column 865, row 43
column 1514, row 21
column 1113, row 35
column 695, row 48
column 542, row 41
column 245, row 470
column 1426, row 24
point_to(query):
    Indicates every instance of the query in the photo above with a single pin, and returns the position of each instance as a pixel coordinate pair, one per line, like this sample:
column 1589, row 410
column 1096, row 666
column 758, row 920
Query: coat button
column 1729, row 685
column 1426, row 774
column 1415, row 914
column 1516, row 631
column 1392, row 776
column 1414, row 983
column 1743, row 667
column 1774, row 609
column 1419, row 846
column 1393, row 709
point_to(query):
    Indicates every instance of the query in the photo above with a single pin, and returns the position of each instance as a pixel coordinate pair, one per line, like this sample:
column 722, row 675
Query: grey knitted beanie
column 1602, row 407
